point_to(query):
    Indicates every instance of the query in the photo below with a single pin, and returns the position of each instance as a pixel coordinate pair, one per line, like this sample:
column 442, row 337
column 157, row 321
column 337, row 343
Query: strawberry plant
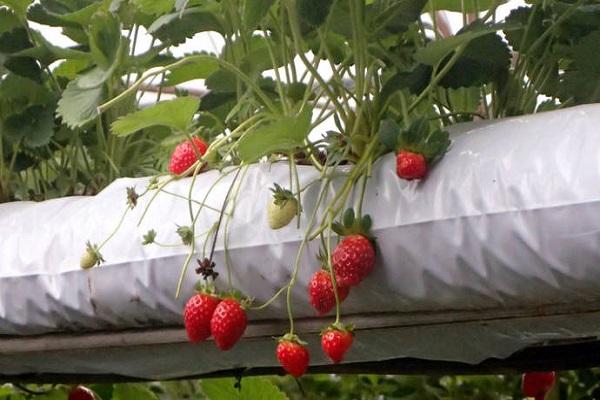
column 73, row 119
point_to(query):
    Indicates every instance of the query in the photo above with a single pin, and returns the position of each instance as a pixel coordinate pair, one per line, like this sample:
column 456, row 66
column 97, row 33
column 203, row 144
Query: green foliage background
column 572, row 385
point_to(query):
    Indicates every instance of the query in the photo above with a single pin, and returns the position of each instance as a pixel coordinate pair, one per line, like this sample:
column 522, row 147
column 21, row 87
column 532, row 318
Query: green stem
column 293, row 19
column 116, row 228
column 224, row 64
column 438, row 77
column 271, row 300
column 193, row 247
column 299, row 255
column 228, row 262
column 331, row 271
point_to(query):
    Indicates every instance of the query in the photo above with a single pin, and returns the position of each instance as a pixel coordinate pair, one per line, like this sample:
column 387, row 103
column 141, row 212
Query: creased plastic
column 508, row 220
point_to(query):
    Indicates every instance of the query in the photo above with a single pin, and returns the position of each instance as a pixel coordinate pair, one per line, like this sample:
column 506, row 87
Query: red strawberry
column 353, row 259
column 410, row 165
column 184, row 155
column 228, row 323
column 320, row 290
column 81, row 393
column 538, row 384
column 292, row 355
column 197, row 315
column 335, row 342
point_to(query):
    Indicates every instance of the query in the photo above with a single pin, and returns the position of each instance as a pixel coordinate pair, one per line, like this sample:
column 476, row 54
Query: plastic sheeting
column 506, row 224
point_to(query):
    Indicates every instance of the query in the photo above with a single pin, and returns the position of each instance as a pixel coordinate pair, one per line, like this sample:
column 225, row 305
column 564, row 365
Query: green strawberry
column 282, row 208
column 91, row 257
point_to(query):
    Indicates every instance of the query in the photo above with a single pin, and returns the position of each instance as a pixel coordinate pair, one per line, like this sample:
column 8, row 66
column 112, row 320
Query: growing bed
column 496, row 252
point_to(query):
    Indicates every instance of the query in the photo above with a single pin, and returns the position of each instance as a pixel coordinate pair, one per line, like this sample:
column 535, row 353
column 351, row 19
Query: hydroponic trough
column 496, row 251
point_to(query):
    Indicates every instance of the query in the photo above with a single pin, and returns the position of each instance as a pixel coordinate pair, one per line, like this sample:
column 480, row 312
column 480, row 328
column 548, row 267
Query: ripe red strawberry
column 292, row 355
column 81, row 393
column 410, row 165
column 538, row 384
column 197, row 314
column 353, row 259
column 320, row 291
column 335, row 342
column 228, row 323
column 184, row 156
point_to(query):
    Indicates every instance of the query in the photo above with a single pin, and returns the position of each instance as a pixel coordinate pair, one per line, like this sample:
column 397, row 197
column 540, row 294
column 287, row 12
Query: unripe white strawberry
column 90, row 257
column 282, row 208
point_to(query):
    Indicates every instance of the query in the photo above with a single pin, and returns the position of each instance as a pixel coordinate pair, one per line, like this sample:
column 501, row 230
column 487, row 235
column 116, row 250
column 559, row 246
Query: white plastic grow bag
column 506, row 225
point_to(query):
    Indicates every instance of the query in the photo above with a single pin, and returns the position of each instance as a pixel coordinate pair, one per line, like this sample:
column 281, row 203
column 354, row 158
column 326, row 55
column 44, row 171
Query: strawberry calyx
column 338, row 326
column 244, row 301
column 91, row 257
column 291, row 338
column 351, row 225
column 281, row 195
column 186, row 234
column 206, row 288
column 421, row 137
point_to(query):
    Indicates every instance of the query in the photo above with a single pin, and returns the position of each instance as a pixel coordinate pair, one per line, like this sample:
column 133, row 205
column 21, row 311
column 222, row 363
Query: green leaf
column 176, row 114
column 24, row 66
column 339, row 19
column 130, row 391
column 252, row 388
column 282, row 133
column 415, row 81
column 220, row 389
column 466, row 6
column 396, row 16
column 222, row 81
column 528, row 22
column 105, row 39
column 46, row 53
column 581, row 79
column 154, row 7
column 255, row 56
column 35, row 125
column 69, row 69
column 254, row 11
column 435, row 51
column 314, row 12
column 79, row 105
column 483, row 60
column 62, row 13
column 195, row 68
column 18, row 93
column 177, row 27
column 435, row 145
column 19, row 6
column 464, row 100
column 54, row 394
column 257, row 388
column 338, row 49
column 388, row 133
column 14, row 41
column 8, row 20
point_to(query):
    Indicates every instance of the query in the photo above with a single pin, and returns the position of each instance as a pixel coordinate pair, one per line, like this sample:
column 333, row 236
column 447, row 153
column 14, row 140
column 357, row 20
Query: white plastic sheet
column 507, row 223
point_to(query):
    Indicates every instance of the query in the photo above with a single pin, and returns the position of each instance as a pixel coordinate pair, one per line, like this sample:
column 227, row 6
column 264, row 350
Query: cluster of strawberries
column 207, row 315
column 352, row 260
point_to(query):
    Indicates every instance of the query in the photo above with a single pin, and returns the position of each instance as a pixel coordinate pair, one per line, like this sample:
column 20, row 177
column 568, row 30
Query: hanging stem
column 299, row 254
